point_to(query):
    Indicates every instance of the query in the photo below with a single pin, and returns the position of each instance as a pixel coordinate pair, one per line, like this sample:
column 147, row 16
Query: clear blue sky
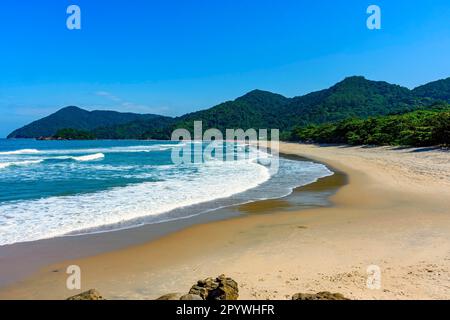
column 172, row 57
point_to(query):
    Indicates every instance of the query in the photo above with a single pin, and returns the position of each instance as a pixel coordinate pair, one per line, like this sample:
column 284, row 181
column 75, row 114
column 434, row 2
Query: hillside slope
column 353, row 97
column 439, row 90
column 77, row 118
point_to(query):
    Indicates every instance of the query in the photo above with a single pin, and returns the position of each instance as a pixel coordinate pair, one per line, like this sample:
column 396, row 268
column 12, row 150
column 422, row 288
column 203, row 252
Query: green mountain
column 352, row 97
column 438, row 90
column 256, row 109
column 76, row 118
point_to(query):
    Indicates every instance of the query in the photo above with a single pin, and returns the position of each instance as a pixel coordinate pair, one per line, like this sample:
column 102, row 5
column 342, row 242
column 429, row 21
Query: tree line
column 417, row 128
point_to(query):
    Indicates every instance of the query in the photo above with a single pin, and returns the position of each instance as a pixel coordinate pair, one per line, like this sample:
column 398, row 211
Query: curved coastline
column 393, row 212
column 104, row 196
column 57, row 249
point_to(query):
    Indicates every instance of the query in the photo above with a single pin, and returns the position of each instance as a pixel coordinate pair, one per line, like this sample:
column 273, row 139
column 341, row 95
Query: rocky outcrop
column 319, row 296
column 87, row 295
column 220, row 288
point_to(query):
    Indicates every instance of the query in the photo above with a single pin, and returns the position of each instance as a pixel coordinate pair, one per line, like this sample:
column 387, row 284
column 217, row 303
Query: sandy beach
column 394, row 212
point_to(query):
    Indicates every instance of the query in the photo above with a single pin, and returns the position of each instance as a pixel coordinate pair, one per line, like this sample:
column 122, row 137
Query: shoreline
column 35, row 255
column 393, row 213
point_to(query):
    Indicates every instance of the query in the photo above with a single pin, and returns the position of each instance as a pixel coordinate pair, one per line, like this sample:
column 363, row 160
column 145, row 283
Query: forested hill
column 256, row 109
column 77, row 118
column 439, row 90
column 352, row 97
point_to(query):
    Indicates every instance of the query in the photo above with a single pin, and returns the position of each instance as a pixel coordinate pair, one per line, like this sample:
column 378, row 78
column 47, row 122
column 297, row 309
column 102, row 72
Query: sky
column 171, row 57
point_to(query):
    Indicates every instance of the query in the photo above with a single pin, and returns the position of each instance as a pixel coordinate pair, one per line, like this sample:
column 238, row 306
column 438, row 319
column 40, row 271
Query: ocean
column 64, row 188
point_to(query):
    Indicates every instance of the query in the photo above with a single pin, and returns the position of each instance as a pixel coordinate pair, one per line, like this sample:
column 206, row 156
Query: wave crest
column 89, row 157
column 19, row 163
column 21, row 151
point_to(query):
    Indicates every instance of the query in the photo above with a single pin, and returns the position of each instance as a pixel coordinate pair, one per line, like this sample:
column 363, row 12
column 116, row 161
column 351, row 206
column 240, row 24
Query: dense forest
column 353, row 98
column 73, row 134
column 417, row 128
column 80, row 119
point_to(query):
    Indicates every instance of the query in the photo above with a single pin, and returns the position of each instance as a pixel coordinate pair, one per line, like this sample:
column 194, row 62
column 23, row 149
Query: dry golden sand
column 394, row 213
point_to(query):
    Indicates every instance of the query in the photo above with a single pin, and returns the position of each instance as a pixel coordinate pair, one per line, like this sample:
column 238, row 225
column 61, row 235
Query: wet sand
column 393, row 213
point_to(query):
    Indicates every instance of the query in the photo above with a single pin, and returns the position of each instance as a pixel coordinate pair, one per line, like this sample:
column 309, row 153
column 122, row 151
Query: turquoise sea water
column 56, row 188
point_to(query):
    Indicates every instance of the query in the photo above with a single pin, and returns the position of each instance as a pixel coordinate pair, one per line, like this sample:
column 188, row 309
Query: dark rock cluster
column 220, row 288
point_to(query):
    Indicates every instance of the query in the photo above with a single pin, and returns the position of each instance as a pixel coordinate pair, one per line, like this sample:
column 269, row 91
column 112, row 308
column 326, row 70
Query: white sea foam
column 176, row 187
column 19, row 163
column 56, row 216
column 172, row 145
column 89, row 157
column 19, row 152
column 85, row 158
column 125, row 149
